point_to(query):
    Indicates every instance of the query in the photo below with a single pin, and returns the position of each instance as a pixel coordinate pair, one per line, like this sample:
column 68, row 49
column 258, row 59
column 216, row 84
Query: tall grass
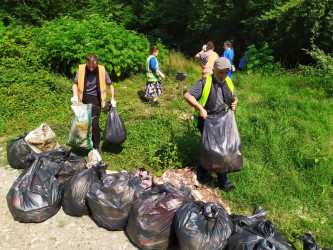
column 285, row 125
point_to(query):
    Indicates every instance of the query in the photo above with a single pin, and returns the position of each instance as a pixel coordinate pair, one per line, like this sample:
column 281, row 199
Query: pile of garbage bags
column 36, row 195
column 173, row 210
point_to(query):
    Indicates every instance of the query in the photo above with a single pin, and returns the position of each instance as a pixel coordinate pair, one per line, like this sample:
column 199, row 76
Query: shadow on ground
column 114, row 148
column 142, row 97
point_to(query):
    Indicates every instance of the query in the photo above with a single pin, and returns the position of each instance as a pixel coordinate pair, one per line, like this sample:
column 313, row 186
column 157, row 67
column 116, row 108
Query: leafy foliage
column 291, row 26
column 323, row 69
column 36, row 11
column 65, row 43
column 259, row 60
column 17, row 46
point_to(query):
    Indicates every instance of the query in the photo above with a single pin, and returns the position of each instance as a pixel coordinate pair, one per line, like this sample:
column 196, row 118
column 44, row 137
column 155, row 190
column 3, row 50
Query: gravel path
column 59, row 232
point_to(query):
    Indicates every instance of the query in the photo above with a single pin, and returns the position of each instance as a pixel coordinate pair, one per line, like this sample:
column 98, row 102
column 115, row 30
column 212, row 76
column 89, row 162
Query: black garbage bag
column 264, row 236
column 35, row 196
column 62, row 151
column 309, row 242
column 53, row 159
column 221, row 145
column 71, row 165
column 111, row 198
column 202, row 226
column 63, row 163
column 149, row 225
column 19, row 153
column 115, row 131
column 240, row 221
column 75, row 191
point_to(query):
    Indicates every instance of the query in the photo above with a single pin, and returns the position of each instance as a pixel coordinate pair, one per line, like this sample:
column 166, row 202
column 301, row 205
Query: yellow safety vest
column 205, row 94
column 152, row 76
column 102, row 83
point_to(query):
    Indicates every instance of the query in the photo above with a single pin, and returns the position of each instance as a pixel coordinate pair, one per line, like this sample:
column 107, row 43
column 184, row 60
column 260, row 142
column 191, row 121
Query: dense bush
column 65, row 43
column 17, row 46
column 323, row 69
column 259, row 60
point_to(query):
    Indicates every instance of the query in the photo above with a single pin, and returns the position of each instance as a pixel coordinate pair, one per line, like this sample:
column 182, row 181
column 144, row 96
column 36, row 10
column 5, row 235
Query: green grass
column 284, row 121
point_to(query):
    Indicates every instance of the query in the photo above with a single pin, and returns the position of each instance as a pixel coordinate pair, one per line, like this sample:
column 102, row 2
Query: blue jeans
column 221, row 178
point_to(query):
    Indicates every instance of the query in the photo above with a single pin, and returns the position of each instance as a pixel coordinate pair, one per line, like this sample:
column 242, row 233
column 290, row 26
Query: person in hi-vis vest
column 90, row 88
column 207, row 57
column 154, row 75
column 207, row 96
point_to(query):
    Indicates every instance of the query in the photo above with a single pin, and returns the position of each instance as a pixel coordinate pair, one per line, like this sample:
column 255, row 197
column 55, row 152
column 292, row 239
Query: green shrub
column 65, row 43
column 17, row 47
column 259, row 60
column 322, row 71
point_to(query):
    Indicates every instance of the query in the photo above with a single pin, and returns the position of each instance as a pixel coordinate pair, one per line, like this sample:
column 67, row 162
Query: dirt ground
column 59, row 232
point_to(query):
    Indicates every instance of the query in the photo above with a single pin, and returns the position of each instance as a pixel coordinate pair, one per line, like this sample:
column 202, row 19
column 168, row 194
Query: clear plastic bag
column 80, row 133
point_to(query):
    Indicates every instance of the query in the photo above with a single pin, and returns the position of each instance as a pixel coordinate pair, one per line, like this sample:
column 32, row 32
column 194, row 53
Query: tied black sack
column 36, row 196
column 253, row 219
column 309, row 242
column 263, row 236
column 202, row 226
column 115, row 131
column 110, row 199
column 19, row 153
column 221, row 145
column 75, row 192
column 63, row 163
column 150, row 221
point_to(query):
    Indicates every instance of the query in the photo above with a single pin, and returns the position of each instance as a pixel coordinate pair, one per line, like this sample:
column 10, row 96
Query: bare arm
column 194, row 103
column 112, row 92
column 74, row 89
column 197, row 56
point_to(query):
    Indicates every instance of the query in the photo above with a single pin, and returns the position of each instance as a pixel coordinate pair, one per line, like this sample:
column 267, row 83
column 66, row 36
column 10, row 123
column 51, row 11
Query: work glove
column 204, row 47
column 75, row 99
column 162, row 75
column 113, row 103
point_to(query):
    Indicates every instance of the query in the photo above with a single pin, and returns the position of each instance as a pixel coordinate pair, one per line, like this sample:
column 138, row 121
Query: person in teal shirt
column 229, row 54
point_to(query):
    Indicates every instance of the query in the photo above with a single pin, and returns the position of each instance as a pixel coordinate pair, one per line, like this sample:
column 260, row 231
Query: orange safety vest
column 102, row 83
column 207, row 69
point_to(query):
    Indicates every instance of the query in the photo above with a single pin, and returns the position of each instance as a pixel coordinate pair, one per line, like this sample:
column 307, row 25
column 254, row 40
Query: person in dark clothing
column 90, row 88
column 209, row 100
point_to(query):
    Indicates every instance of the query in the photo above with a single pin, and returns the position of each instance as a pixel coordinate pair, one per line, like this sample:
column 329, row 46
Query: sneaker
column 227, row 186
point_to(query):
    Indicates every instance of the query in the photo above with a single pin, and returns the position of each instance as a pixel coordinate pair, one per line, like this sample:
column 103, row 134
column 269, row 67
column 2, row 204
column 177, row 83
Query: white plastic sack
column 42, row 139
column 94, row 157
column 80, row 130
